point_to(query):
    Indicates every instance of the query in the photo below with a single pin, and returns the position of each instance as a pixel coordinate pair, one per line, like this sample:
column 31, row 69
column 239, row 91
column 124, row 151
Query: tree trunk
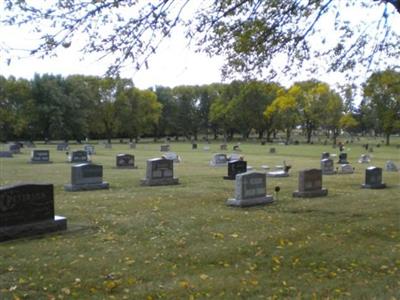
column 387, row 139
column 288, row 130
column 260, row 134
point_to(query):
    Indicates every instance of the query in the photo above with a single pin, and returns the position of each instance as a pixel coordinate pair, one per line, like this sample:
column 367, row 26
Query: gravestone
column 364, row 159
column 390, row 166
column 325, row 155
column 132, row 145
column 250, row 190
column 206, row 148
column 27, row 210
column 219, row 160
column 236, row 167
column 236, row 148
column 263, row 142
column 125, row 161
column 14, row 148
column 40, row 157
column 345, row 169
column 7, row 154
column 235, row 156
column 272, row 150
column 327, row 166
column 164, row 148
column 62, row 147
column 310, row 184
column 29, row 144
column 223, row 147
column 86, row 177
column 78, row 156
column 279, row 171
column 194, row 146
column 107, row 145
column 172, row 156
column 89, row 149
column 343, row 158
column 159, row 171
column 373, row 178
column 371, row 150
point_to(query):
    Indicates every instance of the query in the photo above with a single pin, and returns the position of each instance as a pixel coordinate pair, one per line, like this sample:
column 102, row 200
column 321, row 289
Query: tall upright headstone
column 236, row 167
column 85, row 177
column 250, row 190
column 327, row 166
column 27, row 210
column 310, row 184
column 373, row 178
column 159, row 171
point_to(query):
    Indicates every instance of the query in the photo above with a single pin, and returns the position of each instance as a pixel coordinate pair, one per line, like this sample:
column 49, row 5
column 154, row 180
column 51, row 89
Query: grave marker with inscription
column 62, row 147
column 164, row 148
column 27, row 210
column 345, row 169
column 159, row 171
column 219, row 160
column 125, row 161
column 7, row 154
column 310, row 184
column 85, row 177
column 40, row 157
column 250, row 190
column 78, row 156
column 236, row 167
column 327, row 166
column 373, row 178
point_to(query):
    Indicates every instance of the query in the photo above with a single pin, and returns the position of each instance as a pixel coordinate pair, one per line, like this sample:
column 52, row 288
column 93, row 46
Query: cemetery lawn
column 183, row 242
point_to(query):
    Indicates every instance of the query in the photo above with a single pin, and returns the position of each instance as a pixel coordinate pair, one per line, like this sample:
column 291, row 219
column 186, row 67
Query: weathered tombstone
column 159, row 171
column 235, row 156
column 310, row 184
column 107, row 145
column 7, row 154
column 236, row 167
column 62, row 147
column 40, row 157
column 14, row 148
column 27, row 210
column 279, row 171
column 89, row 149
column 343, row 158
column 390, row 166
column 132, row 145
column 125, row 161
column 345, row 169
column 206, row 148
column 78, row 156
column 86, row 177
column 172, row 156
column 364, row 159
column 373, row 178
column 194, row 146
column 325, row 155
column 327, row 166
column 219, row 160
column 250, row 190
column 164, row 148
column 29, row 144
column 272, row 150
column 223, row 147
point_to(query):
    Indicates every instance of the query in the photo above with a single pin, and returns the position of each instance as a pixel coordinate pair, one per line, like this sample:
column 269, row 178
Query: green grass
column 183, row 242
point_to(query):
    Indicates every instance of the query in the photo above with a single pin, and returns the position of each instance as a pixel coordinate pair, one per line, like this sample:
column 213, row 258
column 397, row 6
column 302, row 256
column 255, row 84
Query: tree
column 248, row 33
column 382, row 95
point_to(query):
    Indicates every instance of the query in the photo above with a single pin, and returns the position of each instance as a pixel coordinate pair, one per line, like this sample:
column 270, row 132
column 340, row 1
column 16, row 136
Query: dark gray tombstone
column 236, row 167
column 79, row 156
column 62, row 147
column 159, row 171
column 250, row 190
column 223, row 147
column 7, row 154
column 325, row 155
column 310, row 184
column 343, row 158
column 194, row 146
column 164, row 148
column 40, row 157
column 27, row 210
column 85, row 177
column 89, row 149
column 125, row 161
column 373, row 178
column 327, row 166
column 219, row 160
column 14, row 148
column 272, row 150
column 390, row 166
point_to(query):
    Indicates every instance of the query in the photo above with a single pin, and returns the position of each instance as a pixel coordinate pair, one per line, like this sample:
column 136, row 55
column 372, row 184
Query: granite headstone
column 310, row 184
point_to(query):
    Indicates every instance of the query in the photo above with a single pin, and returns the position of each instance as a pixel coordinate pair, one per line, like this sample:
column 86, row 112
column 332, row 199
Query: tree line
column 78, row 106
